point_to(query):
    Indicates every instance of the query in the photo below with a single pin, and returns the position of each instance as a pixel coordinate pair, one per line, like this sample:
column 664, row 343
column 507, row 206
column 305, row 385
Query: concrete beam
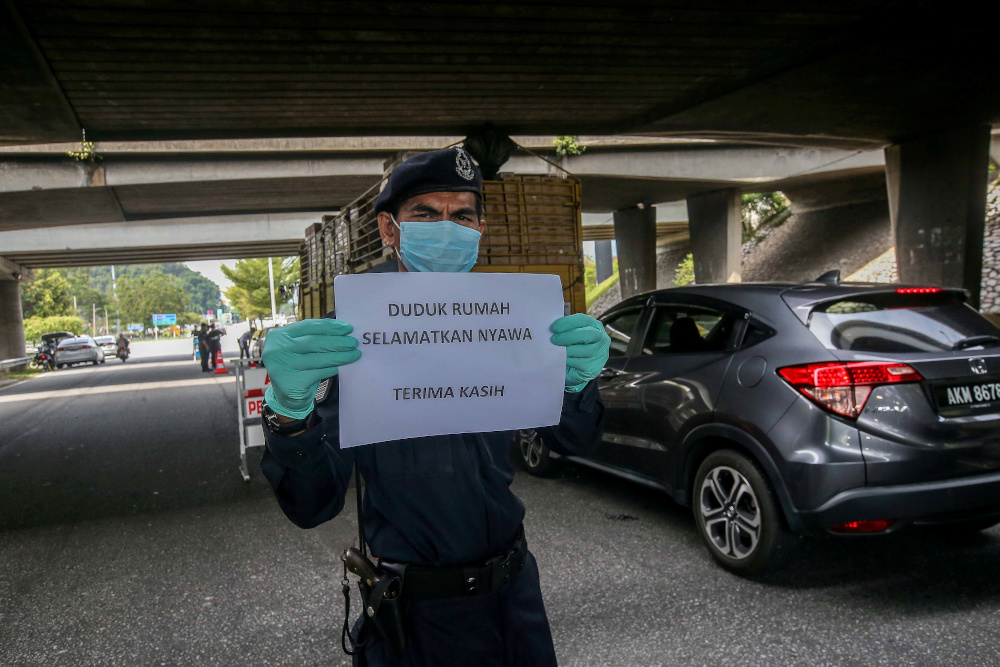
column 19, row 175
column 50, row 190
column 716, row 236
column 10, row 270
column 619, row 179
column 182, row 239
column 937, row 200
column 635, row 234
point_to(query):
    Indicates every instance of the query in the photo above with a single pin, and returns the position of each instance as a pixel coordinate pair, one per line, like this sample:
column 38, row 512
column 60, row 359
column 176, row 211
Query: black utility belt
column 422, row 582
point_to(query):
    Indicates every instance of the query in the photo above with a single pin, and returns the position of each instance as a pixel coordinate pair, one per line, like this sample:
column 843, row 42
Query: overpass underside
column 912, row 80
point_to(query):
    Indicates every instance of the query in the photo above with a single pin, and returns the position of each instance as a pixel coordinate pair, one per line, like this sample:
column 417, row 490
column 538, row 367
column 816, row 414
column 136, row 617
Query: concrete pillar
column 604, row 260
column 635, row 236
column 716, row 236
column 937, row 201
column 11, row 322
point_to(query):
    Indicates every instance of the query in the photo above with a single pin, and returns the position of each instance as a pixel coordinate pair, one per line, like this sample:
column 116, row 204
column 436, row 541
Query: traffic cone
column 220, row 364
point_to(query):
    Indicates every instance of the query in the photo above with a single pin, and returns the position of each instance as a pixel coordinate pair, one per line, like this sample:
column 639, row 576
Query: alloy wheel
column 532, row 449
column 730, row 512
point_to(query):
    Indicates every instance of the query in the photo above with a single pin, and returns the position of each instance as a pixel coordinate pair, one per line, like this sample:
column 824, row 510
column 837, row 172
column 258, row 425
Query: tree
column 86, row 294
column 34, row 327
column 47, row 295
column 139, row 296
column 250, row 294
column 758, row 208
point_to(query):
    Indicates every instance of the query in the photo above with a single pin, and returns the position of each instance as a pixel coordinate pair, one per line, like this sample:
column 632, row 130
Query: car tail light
column 870, row 526
column 87, row 347
column 844, row 387
column 918, row 290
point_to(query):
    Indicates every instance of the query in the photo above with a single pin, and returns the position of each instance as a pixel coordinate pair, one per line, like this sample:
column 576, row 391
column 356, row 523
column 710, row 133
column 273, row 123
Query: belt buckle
column 501, row 571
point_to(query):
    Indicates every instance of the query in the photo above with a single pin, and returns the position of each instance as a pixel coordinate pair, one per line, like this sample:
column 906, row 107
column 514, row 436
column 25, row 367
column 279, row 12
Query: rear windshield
column 890, row 322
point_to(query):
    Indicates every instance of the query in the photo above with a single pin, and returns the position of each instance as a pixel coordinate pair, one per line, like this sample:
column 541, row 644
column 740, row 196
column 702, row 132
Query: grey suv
column 776, row 411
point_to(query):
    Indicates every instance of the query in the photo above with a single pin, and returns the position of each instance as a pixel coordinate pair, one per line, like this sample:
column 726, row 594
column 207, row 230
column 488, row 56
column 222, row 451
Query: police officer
column 203, row 346
column 441, row 504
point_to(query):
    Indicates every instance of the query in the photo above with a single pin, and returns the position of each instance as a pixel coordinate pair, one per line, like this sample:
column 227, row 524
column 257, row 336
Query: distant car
column 257, row 346
column 775, row 411
column 108, row 344
column 78, row 350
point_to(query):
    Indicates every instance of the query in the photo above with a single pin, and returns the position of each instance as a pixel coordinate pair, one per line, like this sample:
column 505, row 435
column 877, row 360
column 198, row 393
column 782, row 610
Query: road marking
column 113, row 388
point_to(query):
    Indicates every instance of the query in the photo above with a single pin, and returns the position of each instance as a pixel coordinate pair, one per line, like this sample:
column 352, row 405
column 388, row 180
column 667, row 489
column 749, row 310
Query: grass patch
column 597, row 291
column 19, row 374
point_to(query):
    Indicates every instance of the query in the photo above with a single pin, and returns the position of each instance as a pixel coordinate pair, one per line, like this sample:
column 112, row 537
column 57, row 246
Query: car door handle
column 609, row 373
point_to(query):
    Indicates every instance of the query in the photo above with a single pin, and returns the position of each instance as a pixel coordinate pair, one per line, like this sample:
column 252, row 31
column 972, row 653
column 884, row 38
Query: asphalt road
column 127, row 537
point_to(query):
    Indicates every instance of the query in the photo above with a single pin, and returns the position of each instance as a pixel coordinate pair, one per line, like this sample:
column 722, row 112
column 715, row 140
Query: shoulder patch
column 322, row 391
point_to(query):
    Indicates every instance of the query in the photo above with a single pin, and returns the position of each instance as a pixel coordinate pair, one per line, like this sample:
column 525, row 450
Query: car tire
column 738, row 515
column 534, row 453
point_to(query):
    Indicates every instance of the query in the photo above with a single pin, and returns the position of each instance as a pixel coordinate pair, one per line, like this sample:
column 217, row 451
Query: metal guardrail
column 12, row 363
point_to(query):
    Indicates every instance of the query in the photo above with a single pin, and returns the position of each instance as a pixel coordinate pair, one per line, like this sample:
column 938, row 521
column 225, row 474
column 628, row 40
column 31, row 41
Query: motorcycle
column 44, row 359
column 122, row 354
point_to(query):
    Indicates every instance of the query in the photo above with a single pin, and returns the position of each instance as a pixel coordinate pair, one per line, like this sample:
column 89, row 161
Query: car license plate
column 981, row 396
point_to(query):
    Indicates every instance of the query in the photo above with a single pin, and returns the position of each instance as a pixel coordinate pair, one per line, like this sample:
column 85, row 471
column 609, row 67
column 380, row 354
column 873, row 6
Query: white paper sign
column 449, row 353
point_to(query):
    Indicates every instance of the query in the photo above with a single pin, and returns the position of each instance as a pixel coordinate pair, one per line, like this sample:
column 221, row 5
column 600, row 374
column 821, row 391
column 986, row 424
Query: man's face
column 459, row 207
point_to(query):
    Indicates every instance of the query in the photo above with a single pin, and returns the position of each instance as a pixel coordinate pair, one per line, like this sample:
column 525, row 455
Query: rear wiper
column 972, row 341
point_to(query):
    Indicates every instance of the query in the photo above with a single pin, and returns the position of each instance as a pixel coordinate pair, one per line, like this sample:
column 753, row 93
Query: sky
column 210, row 269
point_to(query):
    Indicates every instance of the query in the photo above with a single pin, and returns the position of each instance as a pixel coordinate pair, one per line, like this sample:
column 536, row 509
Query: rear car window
column 891, row 322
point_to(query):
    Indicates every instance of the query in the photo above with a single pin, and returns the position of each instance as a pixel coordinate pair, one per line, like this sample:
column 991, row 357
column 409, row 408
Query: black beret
column 447, row 170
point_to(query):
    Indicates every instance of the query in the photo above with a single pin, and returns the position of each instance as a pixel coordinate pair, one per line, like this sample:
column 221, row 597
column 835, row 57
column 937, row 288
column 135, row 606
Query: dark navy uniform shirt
column 439, row 500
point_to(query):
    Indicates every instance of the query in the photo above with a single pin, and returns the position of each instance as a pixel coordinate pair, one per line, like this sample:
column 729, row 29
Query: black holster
column 383, row 607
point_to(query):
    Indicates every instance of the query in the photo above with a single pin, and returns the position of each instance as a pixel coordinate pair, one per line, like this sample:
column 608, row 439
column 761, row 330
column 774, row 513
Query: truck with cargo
column 533, row 225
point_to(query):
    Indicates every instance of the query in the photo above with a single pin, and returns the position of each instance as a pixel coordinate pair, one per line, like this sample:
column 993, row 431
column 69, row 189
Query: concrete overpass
column 152, row 201
column 154, row 241
column 860, row 74
column 854, row 76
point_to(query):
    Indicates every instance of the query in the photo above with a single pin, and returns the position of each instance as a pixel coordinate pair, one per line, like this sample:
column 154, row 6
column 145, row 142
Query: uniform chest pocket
column 417, row 458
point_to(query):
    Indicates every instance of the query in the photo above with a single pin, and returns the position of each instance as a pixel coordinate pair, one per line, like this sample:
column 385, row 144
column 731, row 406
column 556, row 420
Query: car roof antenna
column 829, row 278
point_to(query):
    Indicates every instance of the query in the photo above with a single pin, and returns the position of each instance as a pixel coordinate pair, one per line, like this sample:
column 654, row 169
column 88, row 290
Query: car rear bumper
column 74, row 357
column 943, row 501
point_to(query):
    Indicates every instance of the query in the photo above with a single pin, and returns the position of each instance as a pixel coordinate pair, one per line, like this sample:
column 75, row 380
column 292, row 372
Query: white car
column 79, row 350
column 108, row 344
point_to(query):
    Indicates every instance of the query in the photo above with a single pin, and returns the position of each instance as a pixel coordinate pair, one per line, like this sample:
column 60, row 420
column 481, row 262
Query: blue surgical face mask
column 443, row 246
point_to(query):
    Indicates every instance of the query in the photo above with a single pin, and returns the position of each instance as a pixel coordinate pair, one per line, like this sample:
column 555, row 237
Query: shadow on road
column 919, row 570
column 155, row 434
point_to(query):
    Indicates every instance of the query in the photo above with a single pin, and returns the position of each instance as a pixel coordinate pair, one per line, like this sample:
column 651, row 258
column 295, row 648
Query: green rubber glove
column 587, row 345
column 300, row 356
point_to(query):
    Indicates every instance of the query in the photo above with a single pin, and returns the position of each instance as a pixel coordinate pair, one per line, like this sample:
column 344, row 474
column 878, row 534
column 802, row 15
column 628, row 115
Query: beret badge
column 463, row 164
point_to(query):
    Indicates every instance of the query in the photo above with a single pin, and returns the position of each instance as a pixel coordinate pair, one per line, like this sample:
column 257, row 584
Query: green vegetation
column 762, row 209
column 594, row 290
column 684, row 275
column 20, row 374
column 568, row 145
column 598, row 291
column 250, row 294
column 159, row 288
column 139, row 296
column 85, row 151
column 47, row 295
column 34, row 327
